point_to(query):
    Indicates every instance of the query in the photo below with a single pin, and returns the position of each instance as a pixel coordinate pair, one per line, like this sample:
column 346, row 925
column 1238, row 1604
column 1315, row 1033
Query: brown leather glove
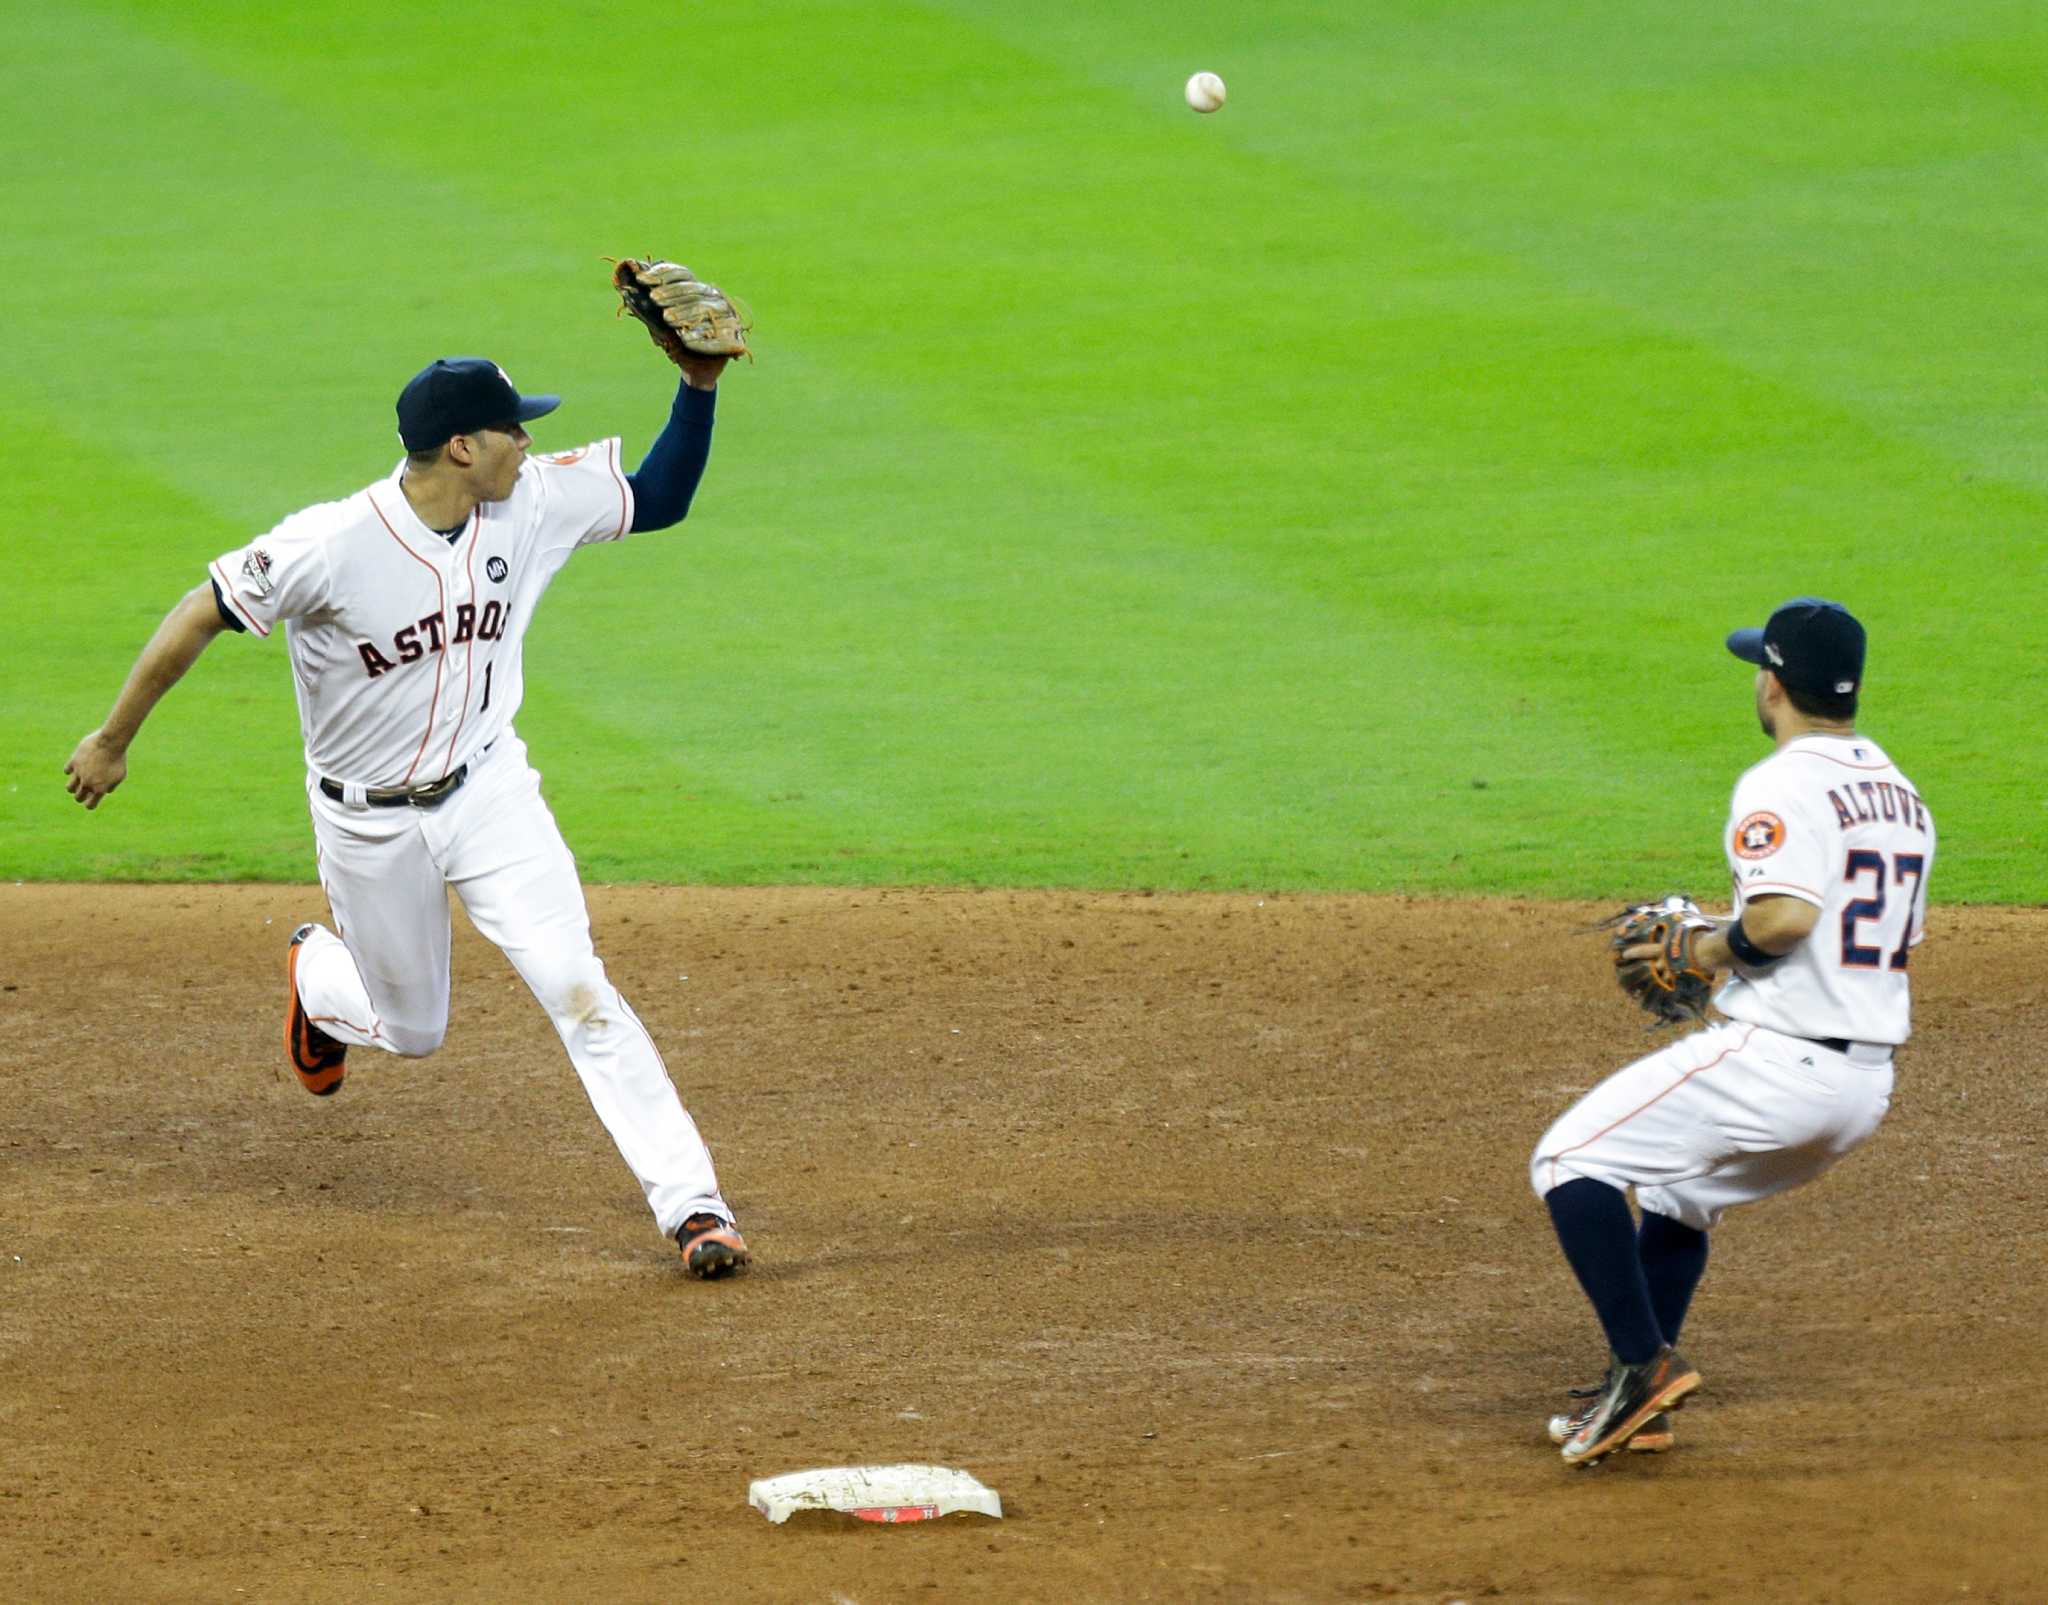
column 689, row 319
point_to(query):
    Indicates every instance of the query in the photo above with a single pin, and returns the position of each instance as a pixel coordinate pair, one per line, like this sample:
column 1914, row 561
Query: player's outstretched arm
column 100, row 762
column 667, row 478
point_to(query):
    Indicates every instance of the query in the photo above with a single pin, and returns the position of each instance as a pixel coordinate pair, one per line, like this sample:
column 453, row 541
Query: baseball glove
column 1673, row 986
column 689, row 319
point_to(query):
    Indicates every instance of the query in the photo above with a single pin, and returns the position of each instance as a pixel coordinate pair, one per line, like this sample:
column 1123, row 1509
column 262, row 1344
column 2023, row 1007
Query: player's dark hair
column 427, row 458
column 1838, row 710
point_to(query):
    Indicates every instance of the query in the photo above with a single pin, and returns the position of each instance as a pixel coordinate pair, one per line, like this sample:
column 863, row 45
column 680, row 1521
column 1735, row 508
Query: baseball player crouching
column 1830, row 847
column 404, row 609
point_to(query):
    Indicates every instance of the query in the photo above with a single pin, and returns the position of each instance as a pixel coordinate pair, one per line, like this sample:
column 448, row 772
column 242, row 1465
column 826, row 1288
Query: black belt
column 429, row 796
column 1835, row 1043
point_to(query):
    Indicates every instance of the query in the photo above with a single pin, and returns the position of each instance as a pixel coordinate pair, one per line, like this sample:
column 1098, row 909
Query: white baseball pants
column 383, row 982
column 1724, row 1116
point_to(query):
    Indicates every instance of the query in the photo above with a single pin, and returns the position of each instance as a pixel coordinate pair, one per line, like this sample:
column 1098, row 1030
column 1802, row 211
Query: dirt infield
column 1196, row 1226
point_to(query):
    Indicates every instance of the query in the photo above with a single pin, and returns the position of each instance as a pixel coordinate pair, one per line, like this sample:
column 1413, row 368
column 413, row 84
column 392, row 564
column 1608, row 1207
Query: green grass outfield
column 1348, row 490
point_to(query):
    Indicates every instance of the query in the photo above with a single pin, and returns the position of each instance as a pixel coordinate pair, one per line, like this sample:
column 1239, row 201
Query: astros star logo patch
column 1759, row 836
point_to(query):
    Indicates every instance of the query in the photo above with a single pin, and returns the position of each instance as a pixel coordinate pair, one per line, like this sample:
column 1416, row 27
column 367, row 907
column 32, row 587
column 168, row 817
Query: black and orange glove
column 1670, row 984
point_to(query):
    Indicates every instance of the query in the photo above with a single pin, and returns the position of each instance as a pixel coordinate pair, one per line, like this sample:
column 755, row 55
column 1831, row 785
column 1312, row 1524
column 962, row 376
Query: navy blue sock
column 1598, row 1235
column 1673, row 1257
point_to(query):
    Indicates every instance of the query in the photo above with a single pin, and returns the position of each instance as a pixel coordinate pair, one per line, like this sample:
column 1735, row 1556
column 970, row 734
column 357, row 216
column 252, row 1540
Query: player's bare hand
column 96, row 768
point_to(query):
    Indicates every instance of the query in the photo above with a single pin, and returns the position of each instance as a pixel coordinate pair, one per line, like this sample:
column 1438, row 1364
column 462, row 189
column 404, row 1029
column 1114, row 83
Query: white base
column 874, row 1493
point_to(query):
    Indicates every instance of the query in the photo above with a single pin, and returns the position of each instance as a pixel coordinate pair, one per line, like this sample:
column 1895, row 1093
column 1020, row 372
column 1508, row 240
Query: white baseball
column 1205, row 91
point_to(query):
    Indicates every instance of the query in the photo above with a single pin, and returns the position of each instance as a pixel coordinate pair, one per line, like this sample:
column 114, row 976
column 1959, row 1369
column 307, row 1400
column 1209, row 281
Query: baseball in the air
column 1205, row 91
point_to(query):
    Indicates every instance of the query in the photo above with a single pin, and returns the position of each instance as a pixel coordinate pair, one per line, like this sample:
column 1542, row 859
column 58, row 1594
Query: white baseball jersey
column 1760, row 1103
column 1831, row 821
column 406, row 644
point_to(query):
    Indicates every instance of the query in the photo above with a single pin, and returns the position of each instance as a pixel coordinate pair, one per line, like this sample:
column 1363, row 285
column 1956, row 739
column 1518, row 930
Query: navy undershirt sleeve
column 667, row 477
column 227, row 614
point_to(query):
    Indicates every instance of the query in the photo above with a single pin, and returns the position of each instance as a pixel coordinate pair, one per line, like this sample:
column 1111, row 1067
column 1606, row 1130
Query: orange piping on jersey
column 1828, row 757
column 625, row 497
column 440, row 658
column 469, row 658
column 1667, row 1092
column 234, row 601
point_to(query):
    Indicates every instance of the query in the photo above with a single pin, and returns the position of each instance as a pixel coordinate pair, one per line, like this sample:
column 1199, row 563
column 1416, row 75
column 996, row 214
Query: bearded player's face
column 1764, row 716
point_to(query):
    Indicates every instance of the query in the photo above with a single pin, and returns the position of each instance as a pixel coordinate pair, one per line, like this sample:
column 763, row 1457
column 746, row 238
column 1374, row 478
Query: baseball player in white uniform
column 404, row 608
column 1831, row 848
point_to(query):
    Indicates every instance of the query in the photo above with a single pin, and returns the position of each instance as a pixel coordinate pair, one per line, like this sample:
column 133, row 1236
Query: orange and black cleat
column 711, row 1247
column 1654, row 1437
column 317, row 1059
column 1634, row 1400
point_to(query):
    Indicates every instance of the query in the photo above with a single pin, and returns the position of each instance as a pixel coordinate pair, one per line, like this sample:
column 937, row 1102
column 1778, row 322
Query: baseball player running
column 1831, row 848
column 404, row 608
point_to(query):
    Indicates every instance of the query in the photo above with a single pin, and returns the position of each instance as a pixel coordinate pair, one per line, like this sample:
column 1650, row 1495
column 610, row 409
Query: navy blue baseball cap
column 1811, row 645
column 458, row 396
